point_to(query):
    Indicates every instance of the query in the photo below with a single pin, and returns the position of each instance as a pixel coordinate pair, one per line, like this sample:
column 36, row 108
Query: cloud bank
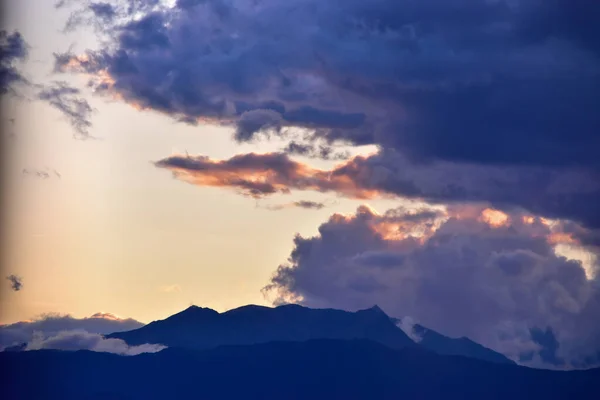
column 52, row 324
column 490, row 82
column 477, row 272
column 83, row 340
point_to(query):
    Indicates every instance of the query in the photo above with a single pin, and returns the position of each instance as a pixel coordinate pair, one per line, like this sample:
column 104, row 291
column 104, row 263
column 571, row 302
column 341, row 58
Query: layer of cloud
column 470, row 271
column 82, row 340
column 551, row 192
column 16, row 282
column 482, row 81
column 13, row 50
column 51, row 324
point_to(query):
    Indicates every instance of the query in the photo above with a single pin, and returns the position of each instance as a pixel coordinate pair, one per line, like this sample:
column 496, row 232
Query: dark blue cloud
column 13, row 49
column 472, row 85
column 481, row 81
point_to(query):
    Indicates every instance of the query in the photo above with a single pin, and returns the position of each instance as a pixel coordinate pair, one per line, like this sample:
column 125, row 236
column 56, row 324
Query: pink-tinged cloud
column 259, row 175
column 552, row 193
column 470, row 271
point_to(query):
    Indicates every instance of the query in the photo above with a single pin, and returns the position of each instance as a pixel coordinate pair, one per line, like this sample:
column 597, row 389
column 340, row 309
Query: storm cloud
column 490, row 82
column 474, row 272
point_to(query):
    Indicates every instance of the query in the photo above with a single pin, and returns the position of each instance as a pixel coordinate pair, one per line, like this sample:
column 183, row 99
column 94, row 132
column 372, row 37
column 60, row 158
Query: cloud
column 13, row 49
column 68, row 101
column 256, row 175
column 305, row 204
column 52, row 324
column 16, row 282
column 552, row 192
column 407, row 324
column 82, row 340
column 170, row 289
column 311, row 150
column 486, row 82
column 469, row 271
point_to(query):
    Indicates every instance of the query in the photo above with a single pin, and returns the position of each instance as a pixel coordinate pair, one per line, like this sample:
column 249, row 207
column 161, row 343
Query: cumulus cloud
column 83, row 340
column 51, row 324
column 480, row 81
column 470, row 271
column 67, row 99
column 16, row 282
column 13, row 50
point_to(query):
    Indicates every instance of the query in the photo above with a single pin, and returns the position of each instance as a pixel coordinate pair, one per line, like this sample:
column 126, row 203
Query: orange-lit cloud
column 259, row 175
column 494, row 218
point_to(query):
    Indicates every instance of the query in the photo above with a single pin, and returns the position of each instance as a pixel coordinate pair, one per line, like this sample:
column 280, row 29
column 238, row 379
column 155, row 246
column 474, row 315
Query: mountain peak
column 195, row 312
column 376, row 309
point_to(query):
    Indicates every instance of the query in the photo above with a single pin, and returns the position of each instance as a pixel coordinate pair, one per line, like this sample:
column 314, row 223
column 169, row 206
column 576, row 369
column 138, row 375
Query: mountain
column 463, row 346
column 316, row 369
column 203, row 328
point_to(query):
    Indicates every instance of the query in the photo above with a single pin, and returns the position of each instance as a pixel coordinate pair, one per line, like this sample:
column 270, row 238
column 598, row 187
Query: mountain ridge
column 320, row 368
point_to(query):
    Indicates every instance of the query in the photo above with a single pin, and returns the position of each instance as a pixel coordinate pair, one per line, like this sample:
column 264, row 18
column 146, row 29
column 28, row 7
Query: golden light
column 528, row 220
column 494, row 218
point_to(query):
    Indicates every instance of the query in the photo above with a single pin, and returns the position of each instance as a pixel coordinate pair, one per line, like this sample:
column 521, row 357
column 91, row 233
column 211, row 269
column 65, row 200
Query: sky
column 437, row 158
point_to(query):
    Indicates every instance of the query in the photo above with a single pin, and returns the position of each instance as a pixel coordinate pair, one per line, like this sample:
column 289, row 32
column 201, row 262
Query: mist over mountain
column 463, row 346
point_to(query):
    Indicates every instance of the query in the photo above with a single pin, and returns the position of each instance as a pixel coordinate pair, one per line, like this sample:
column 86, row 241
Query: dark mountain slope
column 319, row 369
column 203, row 328
column 463, row 346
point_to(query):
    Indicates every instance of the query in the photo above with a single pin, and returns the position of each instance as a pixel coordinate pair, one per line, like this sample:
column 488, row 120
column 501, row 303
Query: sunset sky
column 437, row 158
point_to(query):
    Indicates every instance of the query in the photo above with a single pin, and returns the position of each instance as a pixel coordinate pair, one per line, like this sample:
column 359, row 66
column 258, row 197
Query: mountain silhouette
column 316, row 369
column 203, row 328
column 463, row 346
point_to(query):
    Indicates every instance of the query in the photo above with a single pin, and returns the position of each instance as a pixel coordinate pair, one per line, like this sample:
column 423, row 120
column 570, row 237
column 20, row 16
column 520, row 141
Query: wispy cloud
column 67, row 100
column 13, row 50
column 170, row 289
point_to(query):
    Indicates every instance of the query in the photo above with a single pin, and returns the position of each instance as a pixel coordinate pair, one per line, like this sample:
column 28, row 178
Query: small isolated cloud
column 68, row 101
column 170, row 289
column 16, row 282
column 407, row 324
column 51, row 324
column 305, row 204
column 82, row 340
